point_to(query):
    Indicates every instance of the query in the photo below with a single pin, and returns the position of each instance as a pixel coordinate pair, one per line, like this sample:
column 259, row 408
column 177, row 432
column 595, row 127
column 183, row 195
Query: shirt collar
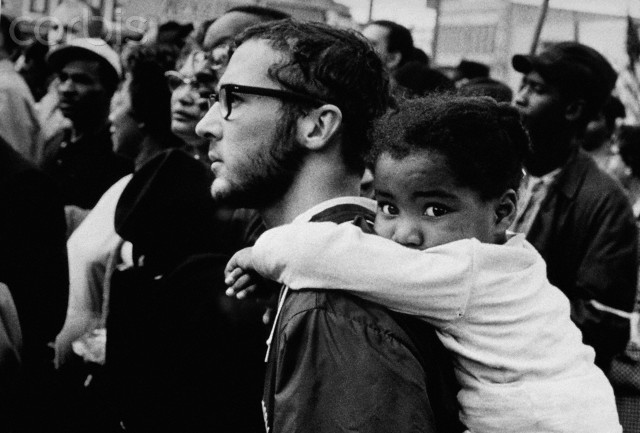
column 310, row 213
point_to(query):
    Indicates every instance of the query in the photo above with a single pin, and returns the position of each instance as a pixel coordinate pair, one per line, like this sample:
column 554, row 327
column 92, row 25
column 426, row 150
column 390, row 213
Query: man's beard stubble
column 272, row 172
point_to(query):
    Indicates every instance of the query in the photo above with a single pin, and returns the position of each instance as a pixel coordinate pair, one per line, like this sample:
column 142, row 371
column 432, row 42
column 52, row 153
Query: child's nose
column 408, row 234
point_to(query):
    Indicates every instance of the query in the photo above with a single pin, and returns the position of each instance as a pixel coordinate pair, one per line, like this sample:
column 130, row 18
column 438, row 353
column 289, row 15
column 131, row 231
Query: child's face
column 420, row 204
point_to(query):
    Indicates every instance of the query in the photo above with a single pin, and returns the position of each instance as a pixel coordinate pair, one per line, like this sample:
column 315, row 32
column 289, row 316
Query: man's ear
column 505, row 211
column 574, row 110
column 319, row 126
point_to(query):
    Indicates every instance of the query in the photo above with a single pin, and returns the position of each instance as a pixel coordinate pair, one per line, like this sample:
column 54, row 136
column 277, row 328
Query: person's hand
column 243, row 282
column 239, row 275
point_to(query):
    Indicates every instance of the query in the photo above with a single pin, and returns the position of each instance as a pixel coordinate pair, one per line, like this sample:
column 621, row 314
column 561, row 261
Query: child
column 446, row 171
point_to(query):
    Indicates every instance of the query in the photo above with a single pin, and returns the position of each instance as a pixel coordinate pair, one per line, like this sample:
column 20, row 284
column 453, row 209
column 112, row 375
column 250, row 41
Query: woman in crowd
column 191, row 84
column 141, row 128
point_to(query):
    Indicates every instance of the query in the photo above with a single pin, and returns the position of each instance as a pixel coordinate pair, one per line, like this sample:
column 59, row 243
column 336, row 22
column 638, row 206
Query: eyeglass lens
column 222, row 97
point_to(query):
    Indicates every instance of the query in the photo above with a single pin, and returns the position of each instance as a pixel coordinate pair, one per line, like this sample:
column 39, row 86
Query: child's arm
column 433, row 284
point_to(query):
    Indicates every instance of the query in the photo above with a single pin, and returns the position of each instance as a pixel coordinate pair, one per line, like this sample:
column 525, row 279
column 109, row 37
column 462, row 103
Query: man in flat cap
column 84, row 164
column 574, row 214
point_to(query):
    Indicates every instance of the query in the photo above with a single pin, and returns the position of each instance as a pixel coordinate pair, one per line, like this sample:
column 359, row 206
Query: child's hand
column 239, row 275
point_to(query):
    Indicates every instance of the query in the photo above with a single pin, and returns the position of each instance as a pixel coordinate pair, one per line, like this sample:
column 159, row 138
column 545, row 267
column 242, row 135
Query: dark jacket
column 83, row 170
column 338, row 363
column 33, row 254
column 585, row 231
column 181, row 355
column 33, row 264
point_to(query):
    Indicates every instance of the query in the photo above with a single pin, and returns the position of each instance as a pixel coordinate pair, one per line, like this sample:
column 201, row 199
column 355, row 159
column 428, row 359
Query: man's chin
column 236, row 197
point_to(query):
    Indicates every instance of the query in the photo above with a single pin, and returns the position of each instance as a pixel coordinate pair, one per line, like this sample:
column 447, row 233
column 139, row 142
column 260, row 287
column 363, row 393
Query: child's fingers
column 242, row 284
column 232, row 276
column 231, row 265
column 246, row 292
column 267, row 317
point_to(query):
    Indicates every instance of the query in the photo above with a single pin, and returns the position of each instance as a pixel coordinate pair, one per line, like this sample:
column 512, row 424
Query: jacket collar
column 572, row 176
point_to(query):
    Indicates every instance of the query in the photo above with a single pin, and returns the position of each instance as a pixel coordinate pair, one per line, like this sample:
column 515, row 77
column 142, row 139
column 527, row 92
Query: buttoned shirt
column 532, row 191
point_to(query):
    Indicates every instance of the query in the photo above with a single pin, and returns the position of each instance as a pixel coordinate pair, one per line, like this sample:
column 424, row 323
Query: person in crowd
column 486, row 291
column 32, row 65
column 33, row 265
column 628, row 143
column 486, row 87
column 10, row 361
column 174, row 33
column 625, row 368
column 468, row 70
column 74, row 19
column 69, row 20
column 235, row 20
column 598, row 135
column 416, row 79
column 294, row 150
column 194, row 79
column 19, row 122
column 84, row 165
column 141, row 127
column 392, row 41
column 576, row 216
column 420, row 56
column 201, row 31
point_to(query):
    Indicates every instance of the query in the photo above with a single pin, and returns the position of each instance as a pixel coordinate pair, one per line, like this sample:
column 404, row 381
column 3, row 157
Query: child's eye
column 387, row 209
column 435, row 211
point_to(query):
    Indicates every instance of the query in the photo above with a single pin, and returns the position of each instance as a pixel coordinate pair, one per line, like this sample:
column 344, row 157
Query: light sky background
column 606, row 37
column 412, row 14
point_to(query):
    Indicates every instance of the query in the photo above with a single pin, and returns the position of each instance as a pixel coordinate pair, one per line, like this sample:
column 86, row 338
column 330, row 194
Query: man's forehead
column 534, row 77
column 250, row 64
column 82, row 66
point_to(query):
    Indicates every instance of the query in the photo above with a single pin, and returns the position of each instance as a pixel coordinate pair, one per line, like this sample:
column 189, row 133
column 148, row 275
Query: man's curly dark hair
column 335, row 65
column 482, row 140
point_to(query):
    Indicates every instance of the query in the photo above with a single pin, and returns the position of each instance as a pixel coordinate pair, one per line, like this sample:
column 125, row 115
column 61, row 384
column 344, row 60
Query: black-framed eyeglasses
column 201, row 83
column 225, row 96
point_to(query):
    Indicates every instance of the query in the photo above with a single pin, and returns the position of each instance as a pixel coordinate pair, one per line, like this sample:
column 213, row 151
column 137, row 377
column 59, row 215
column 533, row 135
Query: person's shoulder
column 596, row 180
column 597, row 187
column 15, row 166
column 336, row 307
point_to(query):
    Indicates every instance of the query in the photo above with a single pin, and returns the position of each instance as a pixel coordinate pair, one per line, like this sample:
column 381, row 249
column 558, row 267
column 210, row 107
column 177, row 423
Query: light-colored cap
column 95, row 47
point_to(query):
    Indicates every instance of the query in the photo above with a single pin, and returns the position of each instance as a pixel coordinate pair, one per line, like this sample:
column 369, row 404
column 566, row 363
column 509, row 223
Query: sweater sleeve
column 433, row 284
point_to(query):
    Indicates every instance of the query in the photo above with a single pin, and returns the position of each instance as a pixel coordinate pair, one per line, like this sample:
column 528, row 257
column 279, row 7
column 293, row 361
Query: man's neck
column 312, row 186
column 88, row 128
column 557, row 151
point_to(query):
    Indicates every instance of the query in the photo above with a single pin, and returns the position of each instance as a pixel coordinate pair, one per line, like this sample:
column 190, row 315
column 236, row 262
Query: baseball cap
column 578, row 70
column 93, row 47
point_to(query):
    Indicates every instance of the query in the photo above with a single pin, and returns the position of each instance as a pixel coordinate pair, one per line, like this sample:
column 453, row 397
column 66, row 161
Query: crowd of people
column 421, row 249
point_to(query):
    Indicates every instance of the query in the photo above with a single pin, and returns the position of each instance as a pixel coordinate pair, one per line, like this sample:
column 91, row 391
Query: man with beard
column 84, row 164
column 574, row 214
column 289, row 128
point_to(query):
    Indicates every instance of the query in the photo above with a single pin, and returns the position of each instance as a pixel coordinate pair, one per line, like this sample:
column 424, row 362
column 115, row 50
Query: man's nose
column 408, row 234
column 521, row 97
column 66, row 86
column 209, row 126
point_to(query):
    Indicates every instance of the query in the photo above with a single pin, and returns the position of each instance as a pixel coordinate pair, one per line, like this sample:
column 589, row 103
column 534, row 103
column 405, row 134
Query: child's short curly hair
column 482, row 140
